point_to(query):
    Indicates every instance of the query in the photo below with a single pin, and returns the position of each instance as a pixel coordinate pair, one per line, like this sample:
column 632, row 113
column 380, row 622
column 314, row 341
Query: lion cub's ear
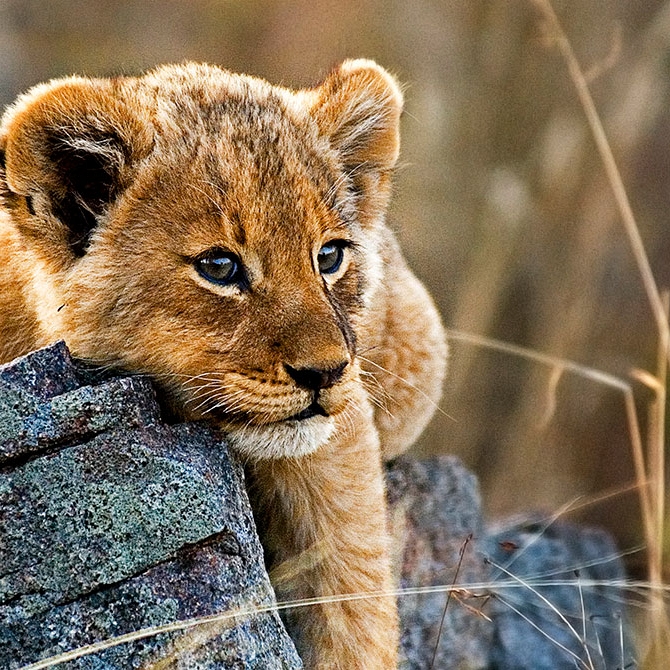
column 358, row 107
column 67, row 147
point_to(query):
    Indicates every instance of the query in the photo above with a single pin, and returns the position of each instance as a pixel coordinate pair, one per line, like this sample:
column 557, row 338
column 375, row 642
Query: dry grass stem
column 219, row 619
column 526, row 584
column 578, row 661
column 461, row 554
column 614, row 176
column 599, row 377
column 610, row 60
column 475, row 590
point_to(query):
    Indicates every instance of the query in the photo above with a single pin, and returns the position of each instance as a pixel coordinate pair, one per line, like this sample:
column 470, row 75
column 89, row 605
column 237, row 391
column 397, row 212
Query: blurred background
column 501, row 203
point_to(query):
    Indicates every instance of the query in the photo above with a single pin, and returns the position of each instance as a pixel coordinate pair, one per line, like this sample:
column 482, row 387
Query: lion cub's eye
column 330, row 257
column 220, row 267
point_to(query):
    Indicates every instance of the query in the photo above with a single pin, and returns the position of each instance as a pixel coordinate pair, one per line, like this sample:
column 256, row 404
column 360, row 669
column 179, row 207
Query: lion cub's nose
column 317, row 378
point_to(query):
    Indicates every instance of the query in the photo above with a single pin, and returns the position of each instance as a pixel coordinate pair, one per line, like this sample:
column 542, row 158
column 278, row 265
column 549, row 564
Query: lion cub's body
column 227, row 237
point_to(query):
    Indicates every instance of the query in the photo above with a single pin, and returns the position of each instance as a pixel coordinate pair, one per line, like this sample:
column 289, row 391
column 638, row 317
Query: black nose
column 317, row 378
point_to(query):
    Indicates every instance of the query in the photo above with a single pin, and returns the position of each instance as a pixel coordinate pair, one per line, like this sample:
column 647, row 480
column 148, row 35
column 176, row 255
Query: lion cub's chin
column 285, row 439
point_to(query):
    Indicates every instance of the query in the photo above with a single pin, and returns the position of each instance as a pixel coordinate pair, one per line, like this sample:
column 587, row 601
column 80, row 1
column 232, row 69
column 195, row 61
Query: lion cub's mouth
column 295, row 436
column 261, row 426
column 315, row 409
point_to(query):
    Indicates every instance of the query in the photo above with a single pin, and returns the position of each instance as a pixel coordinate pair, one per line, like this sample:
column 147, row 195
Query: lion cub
column 227, row 237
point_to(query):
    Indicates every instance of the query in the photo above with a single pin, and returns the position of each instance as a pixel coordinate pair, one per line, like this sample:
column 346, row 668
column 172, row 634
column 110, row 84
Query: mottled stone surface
column 112, row 521
column 531, row 595
column 557, row 605
column 436, row 515
column 47, row 403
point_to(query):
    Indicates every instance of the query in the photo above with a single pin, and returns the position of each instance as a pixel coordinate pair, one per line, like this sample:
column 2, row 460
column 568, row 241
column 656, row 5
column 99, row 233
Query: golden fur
column 227, row 237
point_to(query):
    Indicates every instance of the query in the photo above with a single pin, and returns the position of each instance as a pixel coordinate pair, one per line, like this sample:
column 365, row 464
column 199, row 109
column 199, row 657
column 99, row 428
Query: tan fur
column 114, row 189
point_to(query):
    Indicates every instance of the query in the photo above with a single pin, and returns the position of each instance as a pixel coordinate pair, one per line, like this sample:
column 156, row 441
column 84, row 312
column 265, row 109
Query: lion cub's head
column 211, row 230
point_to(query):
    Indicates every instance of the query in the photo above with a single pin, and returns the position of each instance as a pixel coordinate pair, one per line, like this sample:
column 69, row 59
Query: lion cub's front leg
column 323, row 522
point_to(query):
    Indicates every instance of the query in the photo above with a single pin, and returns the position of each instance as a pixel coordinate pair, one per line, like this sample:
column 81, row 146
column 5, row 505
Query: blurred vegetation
column 502, row 205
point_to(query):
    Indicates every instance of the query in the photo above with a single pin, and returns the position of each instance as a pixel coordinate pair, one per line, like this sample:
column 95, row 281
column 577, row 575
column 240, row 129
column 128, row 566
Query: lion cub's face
column 213, row 231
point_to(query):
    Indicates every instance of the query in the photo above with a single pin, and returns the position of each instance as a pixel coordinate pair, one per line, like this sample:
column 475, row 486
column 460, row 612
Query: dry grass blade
column 217, row 621
column 599, row 377
column 483, row 589
column 544, row 599
column 461, row 554
column 614, row 176
column 583, row 610
column 578, row 661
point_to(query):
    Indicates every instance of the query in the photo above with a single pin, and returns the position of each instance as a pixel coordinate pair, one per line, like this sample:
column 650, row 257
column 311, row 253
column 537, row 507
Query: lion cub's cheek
column 288, row 439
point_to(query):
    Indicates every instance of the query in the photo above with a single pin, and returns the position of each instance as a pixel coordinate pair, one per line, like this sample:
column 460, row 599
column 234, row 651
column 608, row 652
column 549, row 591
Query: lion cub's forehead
column 197, row 98
column 214, row 205
column 244, row 157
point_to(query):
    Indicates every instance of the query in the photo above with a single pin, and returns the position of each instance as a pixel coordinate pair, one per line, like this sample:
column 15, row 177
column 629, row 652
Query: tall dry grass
column 650, row 470
column 650, row 462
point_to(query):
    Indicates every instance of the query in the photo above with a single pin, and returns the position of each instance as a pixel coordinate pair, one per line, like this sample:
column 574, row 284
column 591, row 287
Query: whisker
column 232, row 400
column 376, row 392
column 347, row 419
column 378, row 402
column 409, row 385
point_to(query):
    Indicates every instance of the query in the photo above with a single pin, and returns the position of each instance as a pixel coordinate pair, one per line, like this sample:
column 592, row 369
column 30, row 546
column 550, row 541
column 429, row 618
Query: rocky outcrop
column 558, row 602
column 526, row 594
column 113, row 522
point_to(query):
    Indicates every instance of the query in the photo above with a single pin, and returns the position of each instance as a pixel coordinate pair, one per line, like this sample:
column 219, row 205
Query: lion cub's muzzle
column 293, row 414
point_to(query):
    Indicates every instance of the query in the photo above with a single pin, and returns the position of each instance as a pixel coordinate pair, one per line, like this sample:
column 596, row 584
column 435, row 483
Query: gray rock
column 134, row 524
column 527, row 573
column 435, row 512
column 559, row 604
column 47, row 403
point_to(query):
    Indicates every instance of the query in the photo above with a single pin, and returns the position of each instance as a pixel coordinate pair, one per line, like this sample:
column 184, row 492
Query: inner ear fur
column 358, row 108
column 70, row 144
